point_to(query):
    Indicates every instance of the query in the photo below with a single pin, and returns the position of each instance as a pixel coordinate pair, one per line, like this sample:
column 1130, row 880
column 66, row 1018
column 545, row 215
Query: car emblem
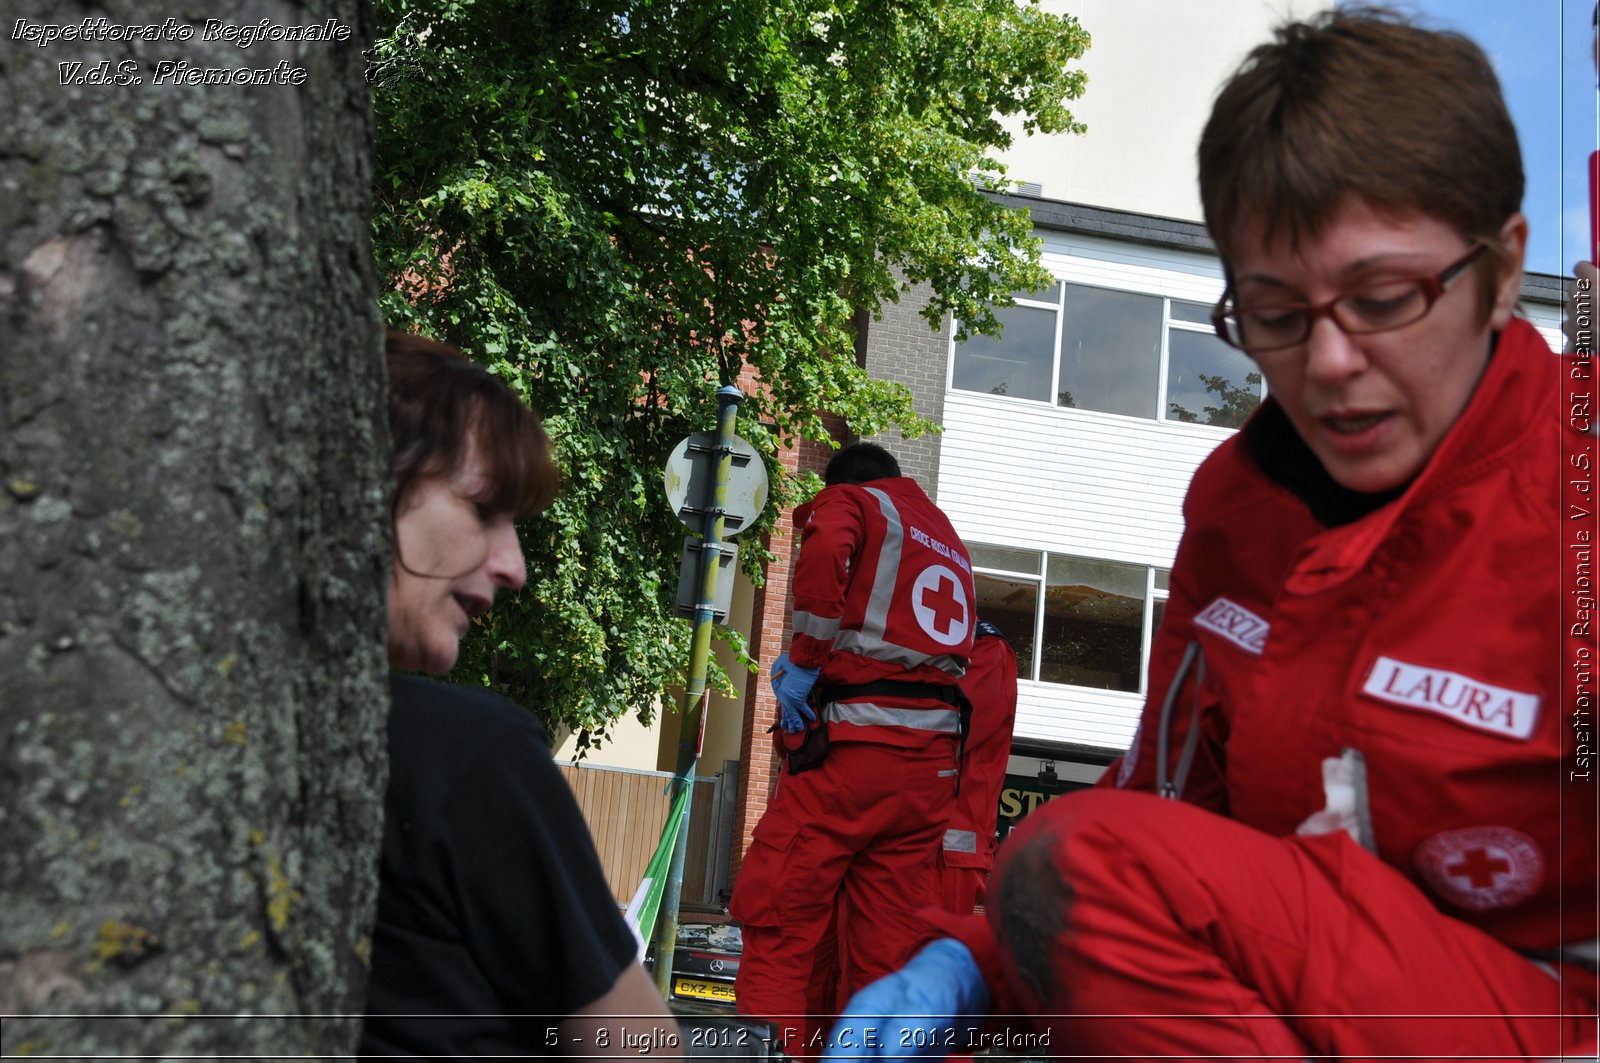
column 716, row 965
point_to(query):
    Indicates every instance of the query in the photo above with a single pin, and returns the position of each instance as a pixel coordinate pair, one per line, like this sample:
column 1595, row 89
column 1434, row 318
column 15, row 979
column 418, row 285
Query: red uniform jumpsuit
column 882, row 591
column 1386, row 838
column 969, row 838
column 969, row 841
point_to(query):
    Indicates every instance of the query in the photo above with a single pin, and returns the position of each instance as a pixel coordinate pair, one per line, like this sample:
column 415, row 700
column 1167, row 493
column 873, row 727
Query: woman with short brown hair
column 497, row 934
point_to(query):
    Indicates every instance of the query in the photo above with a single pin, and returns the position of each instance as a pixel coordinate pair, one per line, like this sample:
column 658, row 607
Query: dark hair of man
column 1358, row 102
column 440, row 402
column 860, row 463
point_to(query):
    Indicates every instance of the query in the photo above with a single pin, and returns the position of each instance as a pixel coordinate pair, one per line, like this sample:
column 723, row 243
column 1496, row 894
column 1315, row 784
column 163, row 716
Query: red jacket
column 991, row 685
column 883, row 590
column 1422, row 642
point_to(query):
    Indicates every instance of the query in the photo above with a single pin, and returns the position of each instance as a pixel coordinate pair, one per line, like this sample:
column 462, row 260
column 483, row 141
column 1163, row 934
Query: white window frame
column 1152, row 594
column 1168, row 323
column 1166, row 335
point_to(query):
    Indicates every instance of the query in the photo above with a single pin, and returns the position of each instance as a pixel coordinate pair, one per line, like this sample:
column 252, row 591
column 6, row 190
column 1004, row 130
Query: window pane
column 1162, row 576
column 1018, row 363
column 1158, row 612
column 1110, row 350
column 1199, row 313
column 1209, row 382
column 1093, row 623
column 1004, row 558
column 1010, row 605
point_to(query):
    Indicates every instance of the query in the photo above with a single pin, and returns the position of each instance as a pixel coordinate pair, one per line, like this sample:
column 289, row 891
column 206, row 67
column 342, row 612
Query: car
column 705, row 964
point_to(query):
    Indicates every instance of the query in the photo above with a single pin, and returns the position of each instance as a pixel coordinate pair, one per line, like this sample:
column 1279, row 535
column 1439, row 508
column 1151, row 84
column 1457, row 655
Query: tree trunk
column 193, row 536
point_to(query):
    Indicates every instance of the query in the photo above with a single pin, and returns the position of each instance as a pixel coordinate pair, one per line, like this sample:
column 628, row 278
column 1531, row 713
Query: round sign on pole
column 692, row 470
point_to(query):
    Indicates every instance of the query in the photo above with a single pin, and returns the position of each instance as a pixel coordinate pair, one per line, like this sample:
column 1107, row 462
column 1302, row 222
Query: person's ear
column 1508, row 270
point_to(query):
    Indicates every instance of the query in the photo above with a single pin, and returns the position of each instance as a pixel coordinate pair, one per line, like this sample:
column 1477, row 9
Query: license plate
column 694, row 987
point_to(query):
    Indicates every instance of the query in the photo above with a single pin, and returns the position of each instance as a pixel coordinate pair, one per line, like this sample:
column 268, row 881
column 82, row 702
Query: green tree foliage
column 618, row 203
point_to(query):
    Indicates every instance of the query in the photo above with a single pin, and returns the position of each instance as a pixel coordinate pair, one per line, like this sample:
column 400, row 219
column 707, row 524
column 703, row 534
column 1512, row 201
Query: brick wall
column 901, row 347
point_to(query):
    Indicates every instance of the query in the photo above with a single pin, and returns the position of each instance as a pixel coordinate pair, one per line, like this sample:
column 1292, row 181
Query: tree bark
column 193, row 538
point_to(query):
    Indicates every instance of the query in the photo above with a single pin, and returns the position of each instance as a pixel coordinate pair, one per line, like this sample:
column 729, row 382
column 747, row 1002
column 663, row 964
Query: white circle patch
column 1480, row 867
column 940, row 605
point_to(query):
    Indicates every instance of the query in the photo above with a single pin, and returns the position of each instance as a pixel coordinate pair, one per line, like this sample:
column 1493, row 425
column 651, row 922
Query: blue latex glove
column 792, row 683
column 925, row 1010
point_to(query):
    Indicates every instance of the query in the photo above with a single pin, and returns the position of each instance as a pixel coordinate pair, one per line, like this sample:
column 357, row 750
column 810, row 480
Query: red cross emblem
column 1480, row 867
column 944, row 601
column 939, row 602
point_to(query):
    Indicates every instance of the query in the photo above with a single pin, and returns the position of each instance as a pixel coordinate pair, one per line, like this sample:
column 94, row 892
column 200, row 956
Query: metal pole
column 695, row 695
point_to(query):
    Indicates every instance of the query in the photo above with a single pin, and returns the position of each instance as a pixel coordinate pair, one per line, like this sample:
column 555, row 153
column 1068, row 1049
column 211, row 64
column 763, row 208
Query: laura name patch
column 1468, row 701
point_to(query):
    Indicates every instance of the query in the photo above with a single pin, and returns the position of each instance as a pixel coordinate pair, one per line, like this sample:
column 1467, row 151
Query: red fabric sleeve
column 830, row 532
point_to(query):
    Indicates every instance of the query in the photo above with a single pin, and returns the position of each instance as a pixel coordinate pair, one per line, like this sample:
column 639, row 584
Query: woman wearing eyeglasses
column 1353, row 821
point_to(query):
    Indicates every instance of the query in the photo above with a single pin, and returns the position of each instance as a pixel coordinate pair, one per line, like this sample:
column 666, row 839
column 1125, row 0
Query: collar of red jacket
column 893, row 486
column 1519, row 388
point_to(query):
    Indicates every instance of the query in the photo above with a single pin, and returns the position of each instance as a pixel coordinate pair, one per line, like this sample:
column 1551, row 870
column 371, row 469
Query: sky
column 1543, row 52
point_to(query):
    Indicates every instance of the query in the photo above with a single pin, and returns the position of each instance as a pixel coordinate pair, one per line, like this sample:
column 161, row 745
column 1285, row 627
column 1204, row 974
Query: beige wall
column 1154, row 67
column 632, row 745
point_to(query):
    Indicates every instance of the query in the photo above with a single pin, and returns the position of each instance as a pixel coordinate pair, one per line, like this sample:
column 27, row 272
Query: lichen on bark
column 193, row 544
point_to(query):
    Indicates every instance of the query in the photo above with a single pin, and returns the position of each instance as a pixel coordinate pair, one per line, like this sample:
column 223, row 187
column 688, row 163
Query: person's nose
column 506, row 566
column 1332, row 354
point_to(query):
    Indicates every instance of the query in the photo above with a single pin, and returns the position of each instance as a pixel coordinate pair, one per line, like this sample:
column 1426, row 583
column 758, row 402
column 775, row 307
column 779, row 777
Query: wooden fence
column 626, row 809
